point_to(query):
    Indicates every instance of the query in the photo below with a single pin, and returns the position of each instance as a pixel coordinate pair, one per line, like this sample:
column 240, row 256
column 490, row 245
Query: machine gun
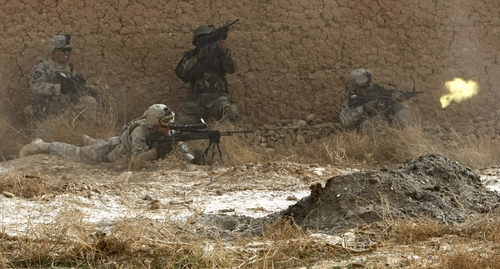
column 385, row 96
column 196, row 132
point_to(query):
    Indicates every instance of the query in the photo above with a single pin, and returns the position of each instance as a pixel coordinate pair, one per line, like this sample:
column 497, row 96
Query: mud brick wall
column 293, row 55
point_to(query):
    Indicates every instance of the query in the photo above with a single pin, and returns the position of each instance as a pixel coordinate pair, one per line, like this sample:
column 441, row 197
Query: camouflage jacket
column 133, row 142
column 207, row 77
column 46, row 89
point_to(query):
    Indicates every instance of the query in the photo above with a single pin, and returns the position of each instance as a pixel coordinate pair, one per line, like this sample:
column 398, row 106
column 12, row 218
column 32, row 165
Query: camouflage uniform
column 365, row 115
column 209, row 96
column 132, row 142
column 48, row 99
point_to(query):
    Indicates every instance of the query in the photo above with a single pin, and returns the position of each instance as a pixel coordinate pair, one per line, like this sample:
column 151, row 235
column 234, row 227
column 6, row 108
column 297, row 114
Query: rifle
column 69, row 83
column 196, row 132
column 382, row 94
column 75, row 84
column 218, row 34
column 212, row 51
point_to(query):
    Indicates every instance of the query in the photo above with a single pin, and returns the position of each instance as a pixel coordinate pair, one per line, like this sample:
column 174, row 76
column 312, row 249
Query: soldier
column 358, row 113
column 153, row 125
column 206, row 70
column 55, row 84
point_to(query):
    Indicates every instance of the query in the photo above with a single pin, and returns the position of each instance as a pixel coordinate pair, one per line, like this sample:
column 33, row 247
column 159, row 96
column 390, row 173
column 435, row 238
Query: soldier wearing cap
column 205, row 69
column 154, row 124
column 55, row 84
column 355, row 113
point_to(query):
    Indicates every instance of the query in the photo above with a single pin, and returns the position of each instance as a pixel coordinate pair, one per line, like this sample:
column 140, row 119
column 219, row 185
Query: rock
column 302, row 124
column 268, row 134
column 286, row 122
column 288, row 141
column 446, row 125
column 310, row 118
column 478, row 119
column 491, row 123
column 269, row 127
column 8, row 194
column 467, row 129
column 317, row 121
column 329, row 125
column 301, row 139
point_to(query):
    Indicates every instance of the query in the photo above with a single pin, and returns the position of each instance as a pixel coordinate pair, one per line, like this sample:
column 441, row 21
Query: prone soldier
column 154, row 124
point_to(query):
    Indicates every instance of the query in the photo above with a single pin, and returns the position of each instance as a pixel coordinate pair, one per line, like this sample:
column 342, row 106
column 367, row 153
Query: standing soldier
column 56, row 85
column 205, row 69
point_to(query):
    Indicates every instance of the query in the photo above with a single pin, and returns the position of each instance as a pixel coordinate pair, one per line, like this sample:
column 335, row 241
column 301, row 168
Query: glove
column 80, row 79
column 67, row 86
column 199, row 157
column 163, row 149
column 371, row 107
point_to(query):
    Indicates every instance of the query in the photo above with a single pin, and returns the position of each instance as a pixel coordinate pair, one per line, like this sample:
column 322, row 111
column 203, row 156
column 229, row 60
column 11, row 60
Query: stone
column 310, row 118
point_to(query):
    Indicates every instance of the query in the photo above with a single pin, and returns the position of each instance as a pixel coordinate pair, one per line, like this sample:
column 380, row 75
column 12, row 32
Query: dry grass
column 29, row 186
column 69, row 241
column 142, row 243
column 135, row 243
column 392, row 146
column 70, row 126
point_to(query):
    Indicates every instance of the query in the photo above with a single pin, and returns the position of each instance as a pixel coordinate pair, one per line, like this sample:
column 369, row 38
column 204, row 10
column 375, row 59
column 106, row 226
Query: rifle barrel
column 188, row 127
column 235, row 21
column 226, row 133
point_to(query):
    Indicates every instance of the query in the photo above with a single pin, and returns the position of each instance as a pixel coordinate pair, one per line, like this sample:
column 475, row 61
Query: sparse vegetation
column 133, row 243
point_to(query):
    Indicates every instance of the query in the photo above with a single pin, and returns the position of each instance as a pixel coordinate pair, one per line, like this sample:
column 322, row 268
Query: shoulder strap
column 132, row 125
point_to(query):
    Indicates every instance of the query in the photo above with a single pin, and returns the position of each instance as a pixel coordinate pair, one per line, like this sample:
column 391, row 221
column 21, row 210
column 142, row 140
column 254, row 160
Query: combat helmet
column 359, row 78
column 60, row 42
column 202, row 30
column 158, row 114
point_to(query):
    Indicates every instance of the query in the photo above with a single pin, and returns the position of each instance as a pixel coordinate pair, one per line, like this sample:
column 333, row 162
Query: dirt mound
column 430, row 185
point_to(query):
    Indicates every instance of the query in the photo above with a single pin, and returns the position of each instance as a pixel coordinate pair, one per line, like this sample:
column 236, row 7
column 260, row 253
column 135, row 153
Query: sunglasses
column 65, row 50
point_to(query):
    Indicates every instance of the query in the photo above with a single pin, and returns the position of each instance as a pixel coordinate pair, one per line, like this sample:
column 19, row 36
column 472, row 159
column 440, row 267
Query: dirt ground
column 430, row 185
column 241, row 200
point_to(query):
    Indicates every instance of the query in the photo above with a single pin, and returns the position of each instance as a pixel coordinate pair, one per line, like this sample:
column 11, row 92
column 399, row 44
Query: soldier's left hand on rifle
column 222, row 44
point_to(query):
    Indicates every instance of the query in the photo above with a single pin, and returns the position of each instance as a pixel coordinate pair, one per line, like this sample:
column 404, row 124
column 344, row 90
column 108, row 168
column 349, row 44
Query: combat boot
column 87, row 140
column 35, row 147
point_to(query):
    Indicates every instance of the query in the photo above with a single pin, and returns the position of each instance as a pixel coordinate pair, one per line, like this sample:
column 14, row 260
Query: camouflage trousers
column 376, row 124
column 92, row 154
column 357, row 118
column 95, row 151
column 220, row 109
